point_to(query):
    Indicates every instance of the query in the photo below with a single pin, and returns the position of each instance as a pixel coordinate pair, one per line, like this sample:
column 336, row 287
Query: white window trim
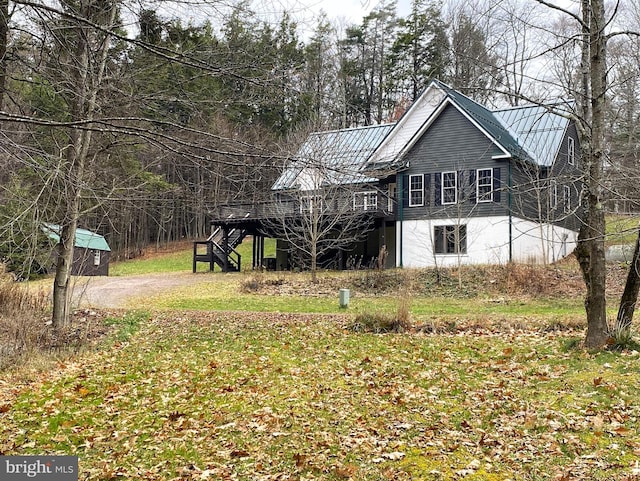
column 481, row 199
column 361, row 200
column 571, row 151
column 455, row 187
column 567, row 199
column 457, row 228
column 314, row 204
column 553, row 201
column 391, row 197
column 411, row 204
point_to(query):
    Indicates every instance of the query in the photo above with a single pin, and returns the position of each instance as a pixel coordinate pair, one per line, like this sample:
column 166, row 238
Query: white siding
column 487, row 242
column 534, row 242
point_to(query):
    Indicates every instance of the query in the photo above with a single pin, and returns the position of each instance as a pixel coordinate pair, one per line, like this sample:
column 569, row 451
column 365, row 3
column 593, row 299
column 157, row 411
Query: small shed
column 90, row 254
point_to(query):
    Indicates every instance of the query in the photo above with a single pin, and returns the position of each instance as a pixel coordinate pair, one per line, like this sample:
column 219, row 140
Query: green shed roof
column 84, row 238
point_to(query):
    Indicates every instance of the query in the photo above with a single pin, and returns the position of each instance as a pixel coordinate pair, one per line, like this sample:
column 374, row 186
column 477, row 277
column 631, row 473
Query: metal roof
column 339, row 154
column 84, row 238
column 538, row 129
column 532, row 133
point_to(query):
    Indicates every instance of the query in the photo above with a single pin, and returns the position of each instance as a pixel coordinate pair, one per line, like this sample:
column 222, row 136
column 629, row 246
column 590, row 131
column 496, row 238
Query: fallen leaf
column 395, row 456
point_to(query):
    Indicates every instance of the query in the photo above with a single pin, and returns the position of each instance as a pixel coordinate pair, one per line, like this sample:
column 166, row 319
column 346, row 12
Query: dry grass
column 22, row 329
column 26, row 335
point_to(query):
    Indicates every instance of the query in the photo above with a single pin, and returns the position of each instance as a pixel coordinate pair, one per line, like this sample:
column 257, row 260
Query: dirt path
column 101, row 292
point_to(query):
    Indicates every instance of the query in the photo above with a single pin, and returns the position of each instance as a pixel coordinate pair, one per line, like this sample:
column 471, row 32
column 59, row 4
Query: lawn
column 227, row 294
column 179, row 258
column 259, row 376
column 255, row 396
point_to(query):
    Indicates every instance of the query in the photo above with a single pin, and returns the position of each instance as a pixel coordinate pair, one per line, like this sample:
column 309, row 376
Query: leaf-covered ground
column 251, row 396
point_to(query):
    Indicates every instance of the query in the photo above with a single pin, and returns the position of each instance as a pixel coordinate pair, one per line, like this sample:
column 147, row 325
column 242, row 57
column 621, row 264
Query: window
column 484, row 185
column 391, row 198
column 553, row 194
column 416, row 190
column 96, row 258
column 571, row 151
column 449, row 188
column 450, row 239
column 311, row 203
column 365, row 200
column 567, row 199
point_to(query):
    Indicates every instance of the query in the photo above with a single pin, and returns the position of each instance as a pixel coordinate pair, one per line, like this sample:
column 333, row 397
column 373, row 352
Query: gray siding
column 568, row 175
column 533, row 188
column 453, row 143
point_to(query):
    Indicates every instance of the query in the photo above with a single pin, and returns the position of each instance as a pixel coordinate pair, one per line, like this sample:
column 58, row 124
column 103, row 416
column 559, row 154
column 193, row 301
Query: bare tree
column 323, row 205
column 90, row 154
column 474, row 67
column 596, row 31
column 84, row 54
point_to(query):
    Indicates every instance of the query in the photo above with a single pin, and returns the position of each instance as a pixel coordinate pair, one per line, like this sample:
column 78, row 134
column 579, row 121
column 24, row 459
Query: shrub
column 379, row 322
column 379, row 280
column 14, row 298
column 258, row 282
column 251, row 283
column 622, row 338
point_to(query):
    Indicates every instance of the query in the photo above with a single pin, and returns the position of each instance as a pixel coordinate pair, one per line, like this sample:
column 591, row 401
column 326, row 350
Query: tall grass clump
column 622, row 338
column 22, row 321
column 382, row 322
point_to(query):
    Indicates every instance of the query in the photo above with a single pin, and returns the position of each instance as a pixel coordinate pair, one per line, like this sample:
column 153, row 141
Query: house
column 91, row 252
column 452, row 182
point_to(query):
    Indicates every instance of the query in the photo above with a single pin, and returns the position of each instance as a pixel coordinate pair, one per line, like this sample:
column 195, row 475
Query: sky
column 342, row 11
column 305, row 12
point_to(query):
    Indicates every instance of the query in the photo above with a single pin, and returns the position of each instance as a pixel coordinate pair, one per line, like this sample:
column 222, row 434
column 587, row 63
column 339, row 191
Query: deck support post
column 225, row 248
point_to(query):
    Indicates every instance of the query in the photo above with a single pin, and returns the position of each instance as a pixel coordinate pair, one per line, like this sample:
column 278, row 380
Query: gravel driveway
column 100, row 292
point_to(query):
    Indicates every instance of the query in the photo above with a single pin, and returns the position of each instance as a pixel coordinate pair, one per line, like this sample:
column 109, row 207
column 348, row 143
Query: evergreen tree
column 421, row 49
column 321, row 92
column 474, row 70
column 365, row 67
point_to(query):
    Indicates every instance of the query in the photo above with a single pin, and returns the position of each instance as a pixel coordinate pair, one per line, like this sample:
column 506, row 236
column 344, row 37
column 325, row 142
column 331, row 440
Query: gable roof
column 341, row 154
column 531, row 133
column 486, row 121
column 84, row 238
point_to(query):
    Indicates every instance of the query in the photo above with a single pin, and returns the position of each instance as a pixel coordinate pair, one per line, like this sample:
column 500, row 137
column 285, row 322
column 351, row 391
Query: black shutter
column 459, row 186
column 472, row 186
column 437, row 200
column 496, row 184
column 405, row 191
column 427, row 189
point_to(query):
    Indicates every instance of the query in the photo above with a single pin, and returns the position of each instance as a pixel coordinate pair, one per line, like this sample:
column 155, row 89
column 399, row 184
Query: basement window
column 450, row 239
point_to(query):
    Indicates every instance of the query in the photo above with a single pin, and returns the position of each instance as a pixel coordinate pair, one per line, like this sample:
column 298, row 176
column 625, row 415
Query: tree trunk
column 590, row 250
column 314, row 262
column 83, row 98
column 61, row 296
column 4, row 40
column 630, row 294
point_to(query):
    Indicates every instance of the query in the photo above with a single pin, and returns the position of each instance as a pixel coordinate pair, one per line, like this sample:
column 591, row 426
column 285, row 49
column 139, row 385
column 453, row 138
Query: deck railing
column 379, row 205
